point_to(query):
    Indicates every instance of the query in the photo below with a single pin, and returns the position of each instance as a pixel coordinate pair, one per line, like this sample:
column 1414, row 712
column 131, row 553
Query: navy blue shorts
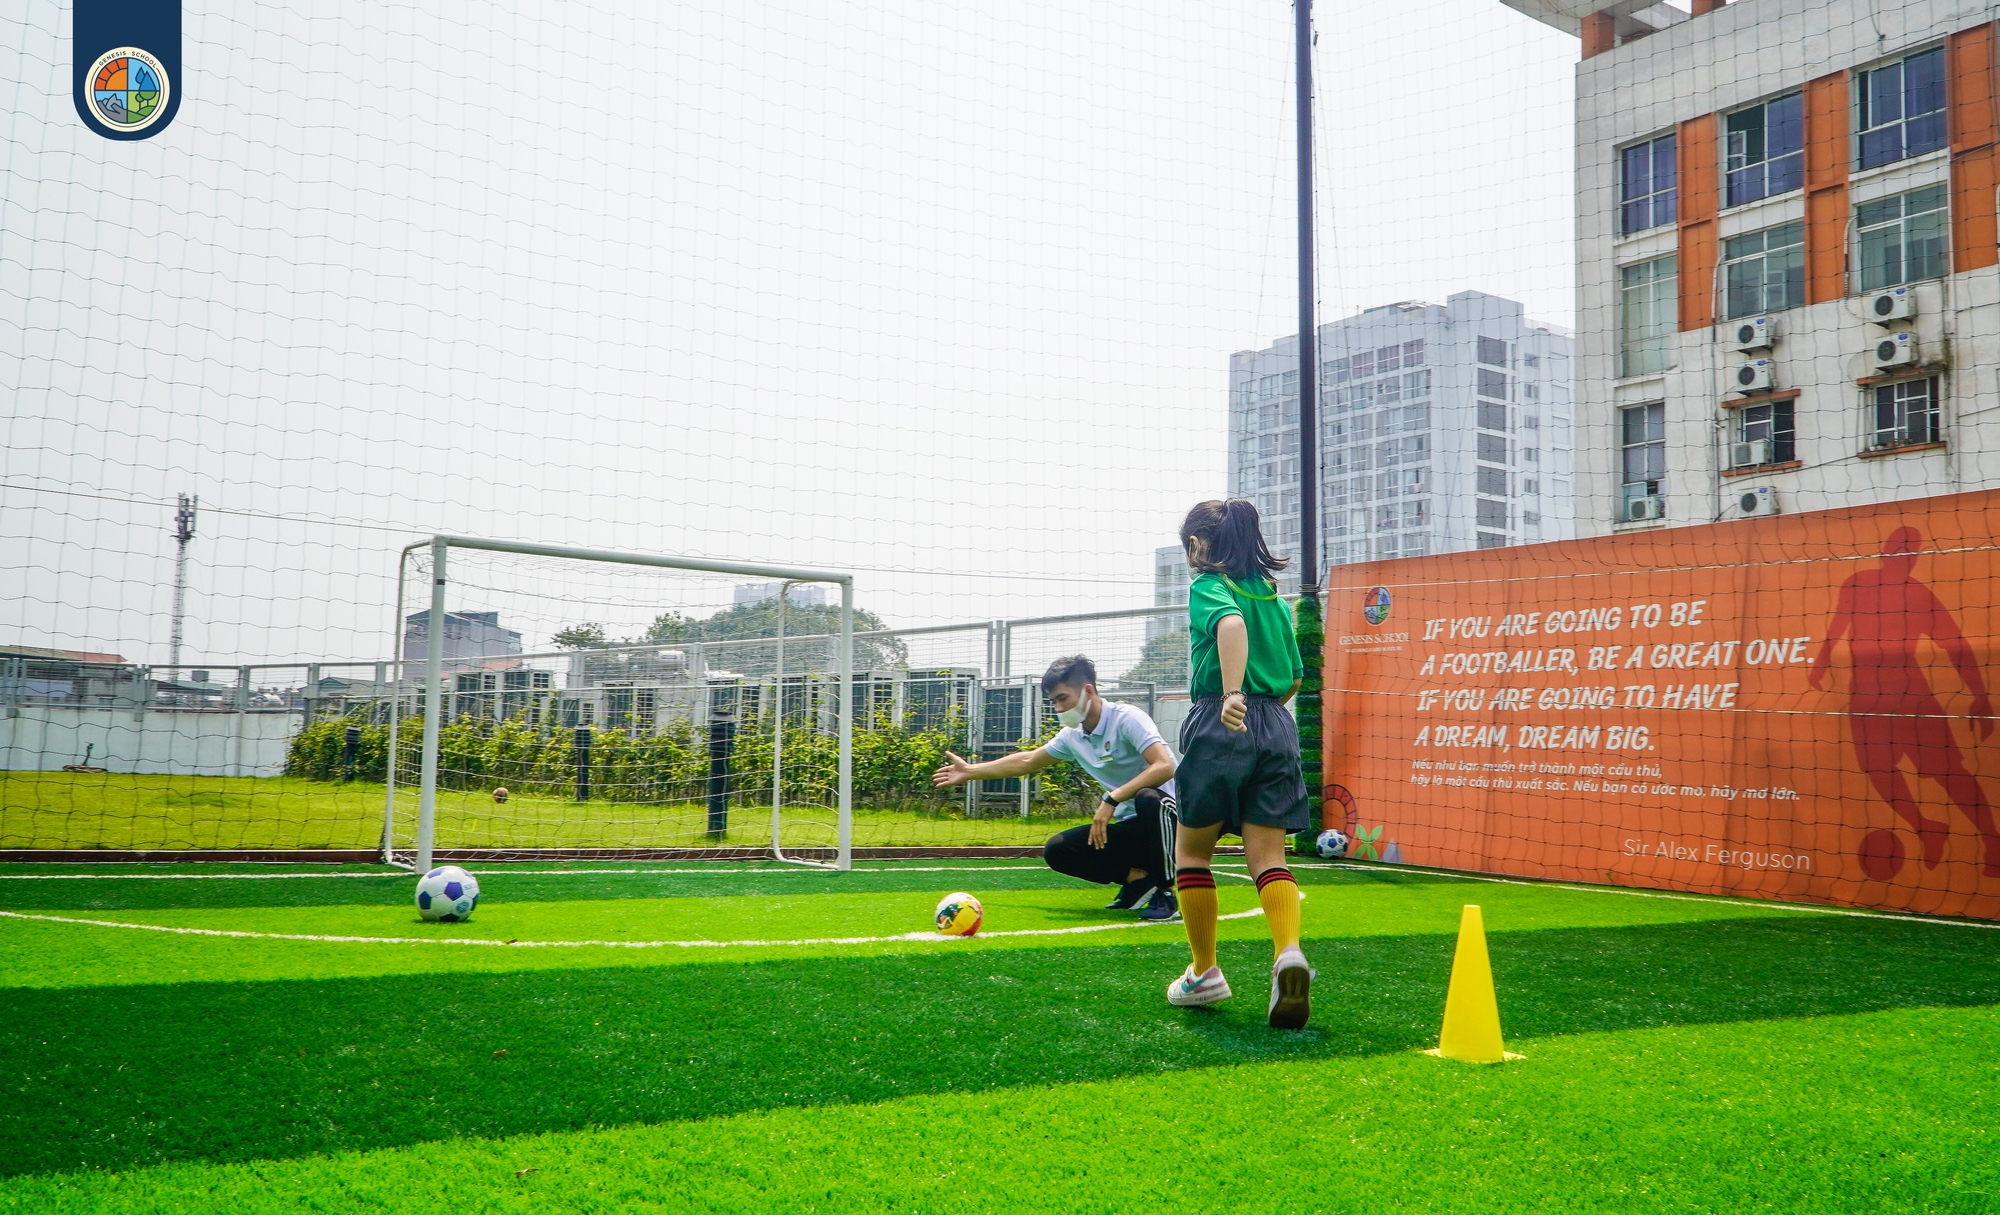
column 1236, row 778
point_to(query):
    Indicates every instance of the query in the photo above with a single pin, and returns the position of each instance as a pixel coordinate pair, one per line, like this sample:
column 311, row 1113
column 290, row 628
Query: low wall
column 181, row 742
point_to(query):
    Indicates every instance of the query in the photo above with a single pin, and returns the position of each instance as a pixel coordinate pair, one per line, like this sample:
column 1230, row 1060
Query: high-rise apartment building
column 1443, row 427
column 1788, row 296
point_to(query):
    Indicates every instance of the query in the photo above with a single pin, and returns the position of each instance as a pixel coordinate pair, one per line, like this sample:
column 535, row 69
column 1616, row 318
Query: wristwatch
column 1109, row 800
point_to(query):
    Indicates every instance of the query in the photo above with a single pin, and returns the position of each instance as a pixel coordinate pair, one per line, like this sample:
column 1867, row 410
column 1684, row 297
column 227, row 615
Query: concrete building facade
column 1443, row 427
column 467, row 635
column 1788, row 296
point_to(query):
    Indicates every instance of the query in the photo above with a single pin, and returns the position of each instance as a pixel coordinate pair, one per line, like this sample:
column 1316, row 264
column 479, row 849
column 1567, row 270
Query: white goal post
column 440, row 545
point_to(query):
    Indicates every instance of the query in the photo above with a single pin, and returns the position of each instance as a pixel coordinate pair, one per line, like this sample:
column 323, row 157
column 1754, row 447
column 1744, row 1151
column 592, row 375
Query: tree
column 747, row 621
column 588, row 635
column 1164, row 662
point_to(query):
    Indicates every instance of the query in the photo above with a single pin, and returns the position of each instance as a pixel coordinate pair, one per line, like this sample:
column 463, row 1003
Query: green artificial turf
column 1697, row 1054
column 1880, row 1112
column 122, row 811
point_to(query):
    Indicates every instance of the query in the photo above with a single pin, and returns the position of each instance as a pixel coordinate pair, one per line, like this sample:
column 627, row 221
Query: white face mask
column 1074, row 715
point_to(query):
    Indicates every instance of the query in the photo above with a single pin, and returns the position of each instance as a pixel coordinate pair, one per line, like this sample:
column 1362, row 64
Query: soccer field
column 144, row 811
column 655, row 1037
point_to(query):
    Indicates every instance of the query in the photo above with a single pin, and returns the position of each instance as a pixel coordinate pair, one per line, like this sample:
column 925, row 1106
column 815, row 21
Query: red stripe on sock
column 1275, row 874
column 1194, row 879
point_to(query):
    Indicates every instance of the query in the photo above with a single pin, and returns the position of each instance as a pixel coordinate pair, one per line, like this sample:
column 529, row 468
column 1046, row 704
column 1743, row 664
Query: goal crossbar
column 441, row 544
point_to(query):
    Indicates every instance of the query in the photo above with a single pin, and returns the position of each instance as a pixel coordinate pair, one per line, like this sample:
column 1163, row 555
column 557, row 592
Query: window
column 1416, row 385
column 1492, row 514
column 1528, row 489
column 1648, row 314
column 1771, row 424
column 1413, row 353
column 1492, row 417
column 1906, row 413
column 1403, row 451
column 1389, row 391
column 1765, row 271
column 1333, row 371
column 1530, row 455
column 1401, row 482
column 1289, row 384
column 1267, row 387
column 1409, row 417
column 1400, row 515
column 1493, row 481
column 1290, row 444
column 1901, row 108
column 1492, row 352
column 1268, row 445
column 1267, row 418
column 1389, row 358
column 1493, row 449
column 1902, row 238
column 1363, row 364
column 1493, row 384
column 1764, row 150
column 1490, row 540
column 1643, row 442
column 1646, row 185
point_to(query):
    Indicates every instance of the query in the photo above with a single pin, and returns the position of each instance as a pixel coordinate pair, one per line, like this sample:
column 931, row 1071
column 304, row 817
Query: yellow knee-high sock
column 1198, row 911
column 1278, row 891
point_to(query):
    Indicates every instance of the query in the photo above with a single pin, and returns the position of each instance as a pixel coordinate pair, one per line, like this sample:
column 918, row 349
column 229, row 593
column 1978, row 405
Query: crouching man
column 1129, row 842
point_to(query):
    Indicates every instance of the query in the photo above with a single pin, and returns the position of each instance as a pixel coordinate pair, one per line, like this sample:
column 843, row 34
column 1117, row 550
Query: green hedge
column 892, row 764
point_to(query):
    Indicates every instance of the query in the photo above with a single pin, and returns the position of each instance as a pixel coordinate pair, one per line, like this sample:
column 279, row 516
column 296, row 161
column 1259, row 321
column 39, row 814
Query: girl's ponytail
column 1230, row 540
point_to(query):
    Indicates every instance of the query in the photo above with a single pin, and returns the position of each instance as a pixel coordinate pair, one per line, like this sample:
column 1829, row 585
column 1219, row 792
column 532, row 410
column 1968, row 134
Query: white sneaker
column 1291, row 990
column 1192, row 990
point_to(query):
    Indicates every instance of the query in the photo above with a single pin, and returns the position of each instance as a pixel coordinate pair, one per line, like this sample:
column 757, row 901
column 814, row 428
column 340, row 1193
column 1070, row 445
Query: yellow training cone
column 1471, row 1014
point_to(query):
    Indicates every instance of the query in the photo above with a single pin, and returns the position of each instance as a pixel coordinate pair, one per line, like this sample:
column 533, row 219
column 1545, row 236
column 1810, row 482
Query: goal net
column 568, row 702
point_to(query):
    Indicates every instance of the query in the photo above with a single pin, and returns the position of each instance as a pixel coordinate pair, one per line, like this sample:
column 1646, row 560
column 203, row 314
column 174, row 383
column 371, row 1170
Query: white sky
column 943, row 294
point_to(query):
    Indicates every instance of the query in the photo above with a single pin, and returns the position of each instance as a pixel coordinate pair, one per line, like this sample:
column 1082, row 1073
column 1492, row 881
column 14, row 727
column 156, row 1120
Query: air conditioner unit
column 1751, row 454
column 1651, row 506
column 1896, row 350
column 1750, row 333
column 1753, row 376
column 1895, row 304
column 1750, row 503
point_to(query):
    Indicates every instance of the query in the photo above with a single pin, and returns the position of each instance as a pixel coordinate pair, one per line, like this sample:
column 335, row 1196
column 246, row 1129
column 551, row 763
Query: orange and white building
column 1787, row 290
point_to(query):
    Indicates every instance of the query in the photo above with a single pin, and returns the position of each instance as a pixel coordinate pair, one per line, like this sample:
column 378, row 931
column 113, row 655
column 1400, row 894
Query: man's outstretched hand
column 954, row 772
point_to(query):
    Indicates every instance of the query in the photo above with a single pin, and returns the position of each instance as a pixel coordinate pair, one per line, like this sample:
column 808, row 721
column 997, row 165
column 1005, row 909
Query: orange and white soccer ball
column 500, row 794
column 958, row 915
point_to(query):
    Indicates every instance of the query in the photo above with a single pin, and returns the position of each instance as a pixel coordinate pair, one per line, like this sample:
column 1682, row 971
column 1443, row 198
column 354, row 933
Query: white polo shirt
column 1113, row 753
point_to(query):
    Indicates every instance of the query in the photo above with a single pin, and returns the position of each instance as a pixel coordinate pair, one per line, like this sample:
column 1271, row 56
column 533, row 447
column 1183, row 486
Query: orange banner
column 1791, row 707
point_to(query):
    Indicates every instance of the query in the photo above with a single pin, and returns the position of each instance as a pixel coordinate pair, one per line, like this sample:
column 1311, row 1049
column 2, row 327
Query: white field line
column 1726, row 900
column 406, row 874
column 933, row 937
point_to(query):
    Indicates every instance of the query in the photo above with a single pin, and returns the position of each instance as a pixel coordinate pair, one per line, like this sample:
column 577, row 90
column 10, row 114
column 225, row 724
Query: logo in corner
column 129, row 89
column 1375, row 605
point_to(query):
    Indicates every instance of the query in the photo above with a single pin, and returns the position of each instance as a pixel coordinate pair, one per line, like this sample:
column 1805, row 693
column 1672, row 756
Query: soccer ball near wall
column 1332, row 844
column 447, row 894
column 959, row 914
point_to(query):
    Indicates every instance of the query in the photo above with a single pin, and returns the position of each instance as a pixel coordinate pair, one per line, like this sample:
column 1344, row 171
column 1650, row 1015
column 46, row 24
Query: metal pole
column 1308, row 352
column 433, row 678
column 778, row 730
column 845, row 857
column 183, row 532
column 395, row 707
column 1028, row 724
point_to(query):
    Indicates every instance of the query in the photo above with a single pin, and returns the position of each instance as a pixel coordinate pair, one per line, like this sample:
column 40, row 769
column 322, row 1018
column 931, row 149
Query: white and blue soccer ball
column 447, row 894
column 1332, row 843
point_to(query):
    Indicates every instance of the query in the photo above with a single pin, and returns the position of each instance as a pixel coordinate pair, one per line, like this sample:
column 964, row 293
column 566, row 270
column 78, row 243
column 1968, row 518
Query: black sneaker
column 1163, row 906
column 1133, row 894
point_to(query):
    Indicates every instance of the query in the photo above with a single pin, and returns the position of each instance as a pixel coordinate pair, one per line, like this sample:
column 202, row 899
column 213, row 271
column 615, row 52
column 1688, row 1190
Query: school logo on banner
column 127, row 58
column 1375, row 605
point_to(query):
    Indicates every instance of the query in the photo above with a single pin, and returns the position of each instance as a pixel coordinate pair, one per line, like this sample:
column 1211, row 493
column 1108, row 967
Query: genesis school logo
column 1375, row 605
column 127, row 64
